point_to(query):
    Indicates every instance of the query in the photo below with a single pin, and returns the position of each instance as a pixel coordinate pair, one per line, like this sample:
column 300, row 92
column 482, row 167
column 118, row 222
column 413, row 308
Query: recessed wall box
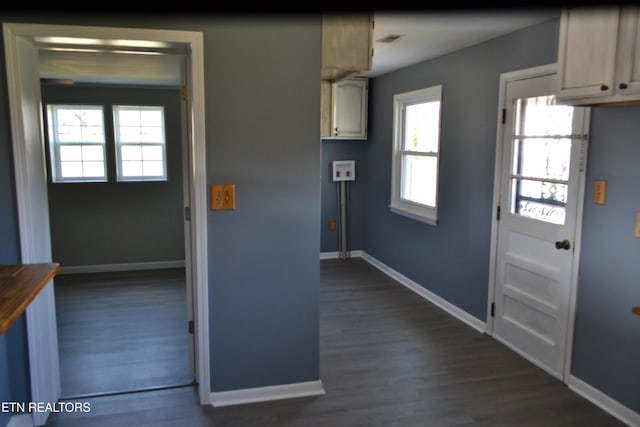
column 344, row 170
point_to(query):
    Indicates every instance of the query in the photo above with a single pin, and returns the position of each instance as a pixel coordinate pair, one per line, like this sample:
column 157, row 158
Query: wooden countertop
column 19, row 285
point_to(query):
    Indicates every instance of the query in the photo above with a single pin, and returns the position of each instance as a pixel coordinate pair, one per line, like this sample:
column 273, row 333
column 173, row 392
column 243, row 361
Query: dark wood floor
column 388, row 358
column 124, row 331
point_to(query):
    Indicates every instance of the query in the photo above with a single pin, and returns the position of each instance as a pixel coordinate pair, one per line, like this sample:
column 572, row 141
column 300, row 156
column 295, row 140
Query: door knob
column 563, row 244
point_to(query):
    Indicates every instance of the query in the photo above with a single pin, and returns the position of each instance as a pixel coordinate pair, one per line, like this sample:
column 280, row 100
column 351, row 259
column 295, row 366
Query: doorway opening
column 21, row 52
column 538, row 194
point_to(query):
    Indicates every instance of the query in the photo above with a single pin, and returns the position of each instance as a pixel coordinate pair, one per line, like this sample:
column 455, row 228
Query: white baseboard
column 21, row 420
column 453, row 310
column 597, row 397
column 336, row 255
column 605, row 402
column 106, row 268
column 264, row 394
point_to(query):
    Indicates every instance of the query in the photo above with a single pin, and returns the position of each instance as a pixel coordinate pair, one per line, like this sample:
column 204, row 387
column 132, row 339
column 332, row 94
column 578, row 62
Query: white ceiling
column 425, row 35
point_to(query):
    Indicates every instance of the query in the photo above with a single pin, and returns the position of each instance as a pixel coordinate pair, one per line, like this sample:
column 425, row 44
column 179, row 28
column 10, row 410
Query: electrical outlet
column 223, row 197
column 600, row 192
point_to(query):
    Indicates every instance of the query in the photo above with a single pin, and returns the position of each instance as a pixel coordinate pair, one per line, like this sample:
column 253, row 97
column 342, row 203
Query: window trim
column 413, row 210
column 118, row 145
column 54, row 145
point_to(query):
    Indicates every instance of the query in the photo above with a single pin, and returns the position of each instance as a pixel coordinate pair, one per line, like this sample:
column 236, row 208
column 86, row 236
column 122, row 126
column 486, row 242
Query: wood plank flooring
column 122, row 331
column 388, row 358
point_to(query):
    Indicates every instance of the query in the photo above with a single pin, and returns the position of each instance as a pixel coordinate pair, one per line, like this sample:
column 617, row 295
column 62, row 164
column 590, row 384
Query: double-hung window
column 140, row 143
column 416, row 148
column 77, row 143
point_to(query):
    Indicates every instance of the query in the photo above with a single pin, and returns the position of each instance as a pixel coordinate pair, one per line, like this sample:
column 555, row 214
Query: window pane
column 128, row 117
column 152, row 152
column 93, row 169
column 70, row 153
column 151, row 134
column 540, row 200
column 542, row 158
column 418, row 179
column 153, row 168
column 79, row 124
column 130, row 152
column 140, row 135
column 150, row 117
column 92, row 152
column 76, row 141
column 69, row 134
column 422, row 127
column 540, row 116
column 131, row 168
column 71, row 169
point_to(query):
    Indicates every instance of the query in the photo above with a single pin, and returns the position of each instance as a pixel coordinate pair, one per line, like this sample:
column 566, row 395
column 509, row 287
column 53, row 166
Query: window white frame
column 148, row 137
column 412, row 209
column 82, row 138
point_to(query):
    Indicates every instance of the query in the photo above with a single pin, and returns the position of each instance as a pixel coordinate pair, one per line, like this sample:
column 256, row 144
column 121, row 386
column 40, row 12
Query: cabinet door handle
column 623, row 86
column 604, row 88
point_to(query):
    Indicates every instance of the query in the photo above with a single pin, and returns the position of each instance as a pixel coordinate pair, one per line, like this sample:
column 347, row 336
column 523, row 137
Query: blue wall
column 606, row 345
column 119, row 222
column 451, row 259
column 262, row 97
column 343, row 150
column 263, row 135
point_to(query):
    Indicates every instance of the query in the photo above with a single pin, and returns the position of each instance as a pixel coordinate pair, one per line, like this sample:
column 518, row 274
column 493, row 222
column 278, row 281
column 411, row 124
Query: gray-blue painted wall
column 263, row 271
column 333, row 150
column 452, row 259
column 262, row 114
column 119, row 222
column 606, row 345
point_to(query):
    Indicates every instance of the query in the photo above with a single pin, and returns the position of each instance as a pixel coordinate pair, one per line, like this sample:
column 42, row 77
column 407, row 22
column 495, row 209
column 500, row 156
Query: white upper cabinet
column 344, row 114
column 599, row 56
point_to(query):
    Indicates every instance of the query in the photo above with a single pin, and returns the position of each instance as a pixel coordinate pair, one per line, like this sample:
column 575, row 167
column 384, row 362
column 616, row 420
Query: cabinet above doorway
column 599, row 56
column 347, row 45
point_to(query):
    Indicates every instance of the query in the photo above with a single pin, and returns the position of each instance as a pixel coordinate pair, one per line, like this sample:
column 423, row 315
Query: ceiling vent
column 390, row 38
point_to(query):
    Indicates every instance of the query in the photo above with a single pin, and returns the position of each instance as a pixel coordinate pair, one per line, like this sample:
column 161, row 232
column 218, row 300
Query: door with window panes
column 542, row 165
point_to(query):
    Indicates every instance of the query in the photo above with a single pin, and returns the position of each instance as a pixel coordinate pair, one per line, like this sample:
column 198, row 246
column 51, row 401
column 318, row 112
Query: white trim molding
column 133, row 266
column 598, row 398
column 441, row 303
column 26, row 127
column 336, row 255
column 264, row 394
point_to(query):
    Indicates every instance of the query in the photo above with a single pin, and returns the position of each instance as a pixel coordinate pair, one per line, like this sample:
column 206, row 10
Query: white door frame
column 36, row 248
column 504, row 79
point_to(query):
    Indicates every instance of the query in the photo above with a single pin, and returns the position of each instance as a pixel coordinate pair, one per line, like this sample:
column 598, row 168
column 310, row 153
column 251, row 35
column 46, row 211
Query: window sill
column 413, row 215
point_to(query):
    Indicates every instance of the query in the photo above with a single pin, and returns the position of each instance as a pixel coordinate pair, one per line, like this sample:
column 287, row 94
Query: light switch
column 600, row 192
column 223, row 197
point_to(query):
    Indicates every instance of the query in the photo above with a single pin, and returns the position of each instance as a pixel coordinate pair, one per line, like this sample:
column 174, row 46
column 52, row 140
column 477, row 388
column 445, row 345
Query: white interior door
column 543, row 151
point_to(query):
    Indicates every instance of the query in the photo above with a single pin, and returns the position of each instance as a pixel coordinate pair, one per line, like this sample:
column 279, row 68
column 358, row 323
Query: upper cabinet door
column 629, row 51
column 587, row 52
column 349, row 108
